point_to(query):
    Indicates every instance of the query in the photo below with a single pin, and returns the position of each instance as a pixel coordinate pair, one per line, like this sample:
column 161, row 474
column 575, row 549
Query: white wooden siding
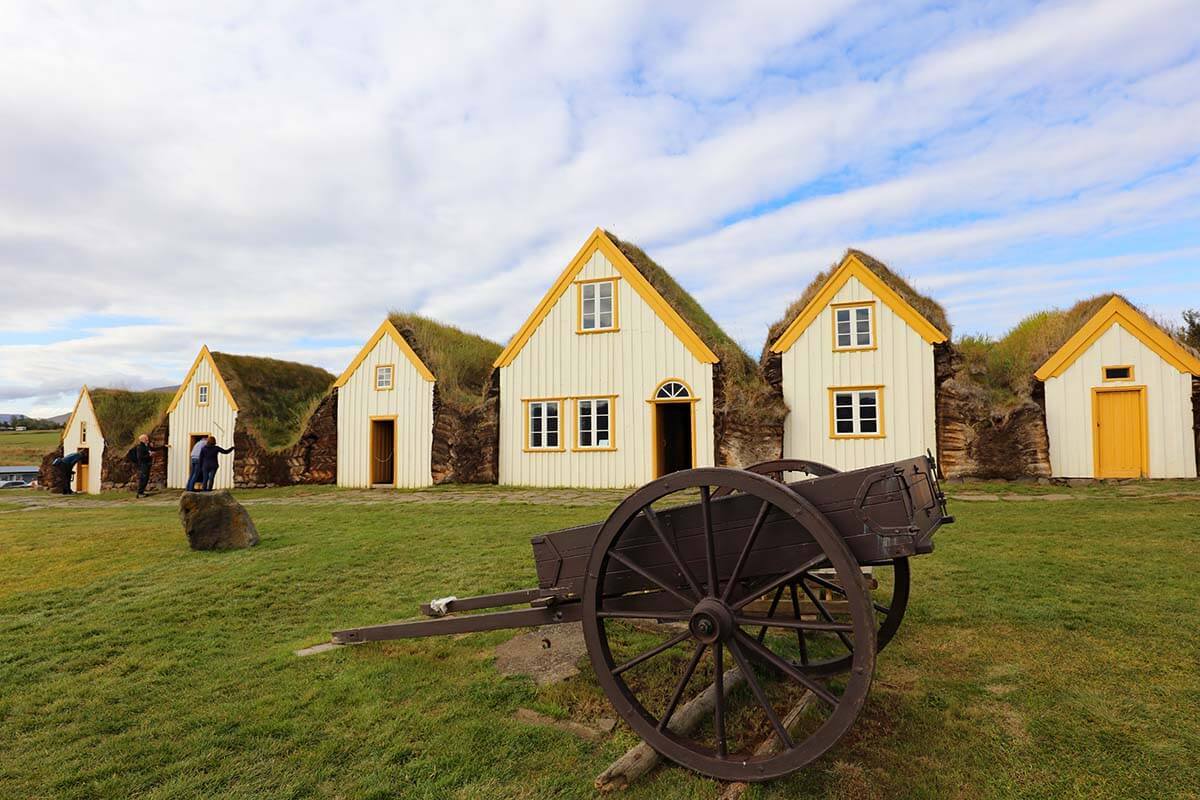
column 85, row 414
column 902, row 363
column 217, row 418
column 411, row 402
column 630, row 363
column 1168, row 402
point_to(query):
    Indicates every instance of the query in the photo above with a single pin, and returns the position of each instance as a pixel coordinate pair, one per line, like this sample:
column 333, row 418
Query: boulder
column 215, row 521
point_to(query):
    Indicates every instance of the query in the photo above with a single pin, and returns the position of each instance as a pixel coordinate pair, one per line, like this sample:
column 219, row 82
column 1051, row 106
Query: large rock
column 215, row 521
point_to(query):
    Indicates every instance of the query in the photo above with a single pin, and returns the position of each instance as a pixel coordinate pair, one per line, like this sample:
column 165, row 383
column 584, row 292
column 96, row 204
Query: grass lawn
column 18, row 448
column 1050, row 650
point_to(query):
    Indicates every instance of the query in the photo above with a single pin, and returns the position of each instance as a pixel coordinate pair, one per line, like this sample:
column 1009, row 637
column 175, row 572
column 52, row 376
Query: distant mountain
column 34, row 422
column 61, row 419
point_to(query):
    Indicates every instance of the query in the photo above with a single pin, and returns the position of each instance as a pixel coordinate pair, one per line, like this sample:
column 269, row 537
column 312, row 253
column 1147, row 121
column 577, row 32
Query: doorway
column 81, row 471
column 192, row 440
column 1119, row 426
column 383, row 452
column 673, row 437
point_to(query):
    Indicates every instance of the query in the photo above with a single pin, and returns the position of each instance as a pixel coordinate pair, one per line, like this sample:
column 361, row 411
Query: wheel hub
column 711, row 621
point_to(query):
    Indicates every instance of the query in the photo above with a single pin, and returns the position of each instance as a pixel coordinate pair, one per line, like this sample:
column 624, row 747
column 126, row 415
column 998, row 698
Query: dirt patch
column 548, row 655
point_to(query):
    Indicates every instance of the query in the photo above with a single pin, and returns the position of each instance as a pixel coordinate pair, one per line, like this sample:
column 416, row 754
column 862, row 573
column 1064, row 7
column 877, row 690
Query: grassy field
column 1050, row 651
column 18, row 448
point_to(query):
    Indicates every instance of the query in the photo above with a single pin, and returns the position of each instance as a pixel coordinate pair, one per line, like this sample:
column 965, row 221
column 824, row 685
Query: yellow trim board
column 879, row 411
column 386, row 328
column 83, row 392
column 852, row 267
column 1118, row 312
column 599, row 241
column 203, row 356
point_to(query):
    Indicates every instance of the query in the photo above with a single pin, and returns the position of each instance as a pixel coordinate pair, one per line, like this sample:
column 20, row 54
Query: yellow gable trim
column 851, row 267
column 650, row 295
column 385, row 329
column 84, row 392
column 1118, row 312
column 203, row 356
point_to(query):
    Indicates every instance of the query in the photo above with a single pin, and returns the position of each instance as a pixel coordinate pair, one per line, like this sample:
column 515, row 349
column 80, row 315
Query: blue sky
column 274, row 181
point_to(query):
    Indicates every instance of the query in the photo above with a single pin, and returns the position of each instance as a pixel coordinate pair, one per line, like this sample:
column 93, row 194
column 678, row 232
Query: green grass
column 461, row 361
column 275, row 398
column 18, row 448
column 1050, row 651
column 126, row 415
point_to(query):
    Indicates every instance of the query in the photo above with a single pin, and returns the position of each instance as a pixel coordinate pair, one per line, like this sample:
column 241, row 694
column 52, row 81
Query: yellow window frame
column 391, row 381
column 207, row 387
column 1104, row 373
column 576, row 447
column 881, row 416
column 562, row 437
column 616, row 320
column 869, row 304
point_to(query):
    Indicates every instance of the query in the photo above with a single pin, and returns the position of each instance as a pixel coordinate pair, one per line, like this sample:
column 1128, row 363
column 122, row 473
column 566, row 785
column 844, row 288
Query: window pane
column 552, row 439
column 866, row 398
column 605, row 320
column 606, row 291
column 863, row 315
column 589, row 292
column 842, row 399
column 845, row 426
column 585, row 438
column 843, row 316
column 602, row 407
column 868, row 426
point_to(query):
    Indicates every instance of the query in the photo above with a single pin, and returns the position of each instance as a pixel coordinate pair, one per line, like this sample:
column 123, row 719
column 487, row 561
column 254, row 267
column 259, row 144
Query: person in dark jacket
column 209, row 463
column 65, row 466
column 143, row 457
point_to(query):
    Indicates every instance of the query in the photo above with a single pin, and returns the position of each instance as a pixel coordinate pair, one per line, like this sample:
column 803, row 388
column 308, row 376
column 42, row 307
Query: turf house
column 411, row 407
column 1119, row 397
column 855, row 358
column 278, row 415
column 104, row 425
column 619, row 376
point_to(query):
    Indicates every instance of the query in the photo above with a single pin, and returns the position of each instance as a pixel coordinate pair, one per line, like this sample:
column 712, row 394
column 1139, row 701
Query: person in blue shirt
column 66, row 466
column 196, row 475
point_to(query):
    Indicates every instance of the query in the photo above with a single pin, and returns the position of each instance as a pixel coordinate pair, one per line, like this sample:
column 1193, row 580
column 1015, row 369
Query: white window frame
column 541, row 406
column 856, row 393
column 587, row 410
column 854, row 326
column 391, row 373
column 595, row 315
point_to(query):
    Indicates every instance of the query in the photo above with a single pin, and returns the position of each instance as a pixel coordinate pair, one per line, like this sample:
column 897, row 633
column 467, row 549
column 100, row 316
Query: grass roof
column 124, row 415
column 275, row 398
column 926, row 306
column 460, row 361
column 1005, row 366
column 737, row 367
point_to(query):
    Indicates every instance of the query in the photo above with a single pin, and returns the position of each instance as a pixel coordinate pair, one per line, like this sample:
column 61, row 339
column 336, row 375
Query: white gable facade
column 81, row 433
column 201, row 407
column 385, row 416
column 1119, row 401
column 602, row 391
column 858, row 379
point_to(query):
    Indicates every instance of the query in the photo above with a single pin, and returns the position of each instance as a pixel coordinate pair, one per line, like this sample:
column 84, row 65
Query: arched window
column 673, row 390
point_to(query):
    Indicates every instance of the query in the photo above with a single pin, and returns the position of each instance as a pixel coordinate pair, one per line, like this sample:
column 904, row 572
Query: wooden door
column 672, row 438
column 1119, row 427
column 81, row 477
column 383, row 452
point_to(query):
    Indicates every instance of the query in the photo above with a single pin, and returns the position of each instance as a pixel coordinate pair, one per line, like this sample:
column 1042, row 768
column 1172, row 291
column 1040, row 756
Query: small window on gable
column 202, row 394
column 384, row 377
column 597, row 306
column 854, row 327
column 542, row 431
column 82, row 432
column 856, row 412
column 1119, row 373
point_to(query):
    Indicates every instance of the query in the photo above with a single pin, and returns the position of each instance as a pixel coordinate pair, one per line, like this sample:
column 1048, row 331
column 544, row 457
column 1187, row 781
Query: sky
column 272, row 178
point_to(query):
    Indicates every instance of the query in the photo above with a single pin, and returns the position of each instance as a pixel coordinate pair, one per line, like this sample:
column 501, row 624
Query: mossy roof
column 924, row 305
column 125, row 415
column 275, row 398
column 461, row 362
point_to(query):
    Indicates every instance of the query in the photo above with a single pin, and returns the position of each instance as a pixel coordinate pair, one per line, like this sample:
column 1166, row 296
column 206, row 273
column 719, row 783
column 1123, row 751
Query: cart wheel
column 655, row 650
column 889, row 598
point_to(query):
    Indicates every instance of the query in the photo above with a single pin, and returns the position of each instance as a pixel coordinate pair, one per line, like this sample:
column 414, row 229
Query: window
column 673, row 390
column 82, row 432
column 202, row 394
column 542, row 425
column 854, row 327
column 1121, row 373
column 594, row 428
column 383, row 377
column 856, row 411
column 597, row 306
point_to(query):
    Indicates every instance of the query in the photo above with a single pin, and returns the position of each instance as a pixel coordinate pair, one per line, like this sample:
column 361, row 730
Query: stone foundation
column 466, row 441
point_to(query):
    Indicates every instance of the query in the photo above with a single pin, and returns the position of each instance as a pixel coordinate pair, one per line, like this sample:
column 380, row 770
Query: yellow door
column 1118, row 427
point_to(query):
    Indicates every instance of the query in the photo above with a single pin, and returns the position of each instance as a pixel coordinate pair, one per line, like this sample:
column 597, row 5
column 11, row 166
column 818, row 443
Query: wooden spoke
column 786, row 668
column 633, row 565
column 745, row 554
column 652, row 652
column 719, row 706
column 825, row 613
column 776, row 583
column 799, row 633
column 759, row 694
column 683, row 682
column 793, row 624
column 833, row 587
column 656, row 525
column 710, row 546
column 762, row 634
